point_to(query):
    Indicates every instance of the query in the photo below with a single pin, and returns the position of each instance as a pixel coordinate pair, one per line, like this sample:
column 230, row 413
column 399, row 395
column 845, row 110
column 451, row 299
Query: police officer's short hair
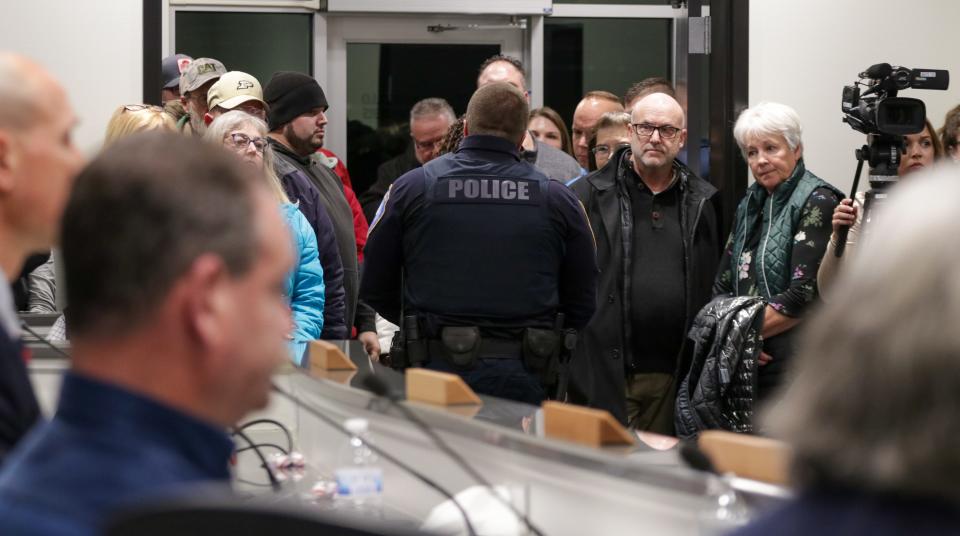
column 498, row 109
column 138, row 218
column 432, row 106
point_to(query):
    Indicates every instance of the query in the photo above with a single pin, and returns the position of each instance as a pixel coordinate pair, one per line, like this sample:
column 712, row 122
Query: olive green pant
column 650, row 401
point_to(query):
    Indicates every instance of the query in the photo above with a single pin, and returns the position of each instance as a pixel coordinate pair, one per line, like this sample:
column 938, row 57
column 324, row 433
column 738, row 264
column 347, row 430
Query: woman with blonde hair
column 246, row 136
column 131, row 118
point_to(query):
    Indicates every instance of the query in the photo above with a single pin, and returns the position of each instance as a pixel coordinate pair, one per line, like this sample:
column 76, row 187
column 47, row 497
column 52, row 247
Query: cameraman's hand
column 845, row 215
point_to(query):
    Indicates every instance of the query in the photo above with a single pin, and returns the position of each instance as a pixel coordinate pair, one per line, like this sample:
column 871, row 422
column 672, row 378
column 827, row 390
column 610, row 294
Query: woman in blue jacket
column 247, row 136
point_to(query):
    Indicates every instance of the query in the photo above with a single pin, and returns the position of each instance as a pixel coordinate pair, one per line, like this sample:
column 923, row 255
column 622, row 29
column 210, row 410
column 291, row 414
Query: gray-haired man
column 430, row 119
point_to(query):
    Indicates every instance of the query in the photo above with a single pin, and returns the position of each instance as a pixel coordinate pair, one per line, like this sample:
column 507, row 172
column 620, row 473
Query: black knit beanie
column 290, row 94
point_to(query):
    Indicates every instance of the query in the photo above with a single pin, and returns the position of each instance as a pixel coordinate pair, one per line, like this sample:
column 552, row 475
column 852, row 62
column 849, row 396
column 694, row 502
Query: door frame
column 343, row 29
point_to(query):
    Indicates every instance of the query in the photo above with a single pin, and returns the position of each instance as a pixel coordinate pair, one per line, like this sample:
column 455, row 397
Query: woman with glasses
column 613, row 132
column 246, row 135
column 780, row 231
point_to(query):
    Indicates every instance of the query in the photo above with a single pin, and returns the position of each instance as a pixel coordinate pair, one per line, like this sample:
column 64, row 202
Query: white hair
column 767, row 119
column 872, row 401
column 224, row 124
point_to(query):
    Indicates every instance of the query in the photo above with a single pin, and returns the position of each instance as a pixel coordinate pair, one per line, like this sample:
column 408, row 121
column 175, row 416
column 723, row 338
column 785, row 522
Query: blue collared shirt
column 106, row 448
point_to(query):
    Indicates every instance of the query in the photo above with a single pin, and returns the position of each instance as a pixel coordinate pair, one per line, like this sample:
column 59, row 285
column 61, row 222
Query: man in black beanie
column 297, row 125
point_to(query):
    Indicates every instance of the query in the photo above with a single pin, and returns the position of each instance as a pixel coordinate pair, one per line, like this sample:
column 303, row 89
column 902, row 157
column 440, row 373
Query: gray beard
column 197, row 125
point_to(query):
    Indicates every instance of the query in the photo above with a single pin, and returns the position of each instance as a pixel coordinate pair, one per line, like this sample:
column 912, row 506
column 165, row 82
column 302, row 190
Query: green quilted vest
column 780, row 215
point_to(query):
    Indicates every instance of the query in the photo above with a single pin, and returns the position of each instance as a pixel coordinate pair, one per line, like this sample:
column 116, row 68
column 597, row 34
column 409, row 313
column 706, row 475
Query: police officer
column 481, row 259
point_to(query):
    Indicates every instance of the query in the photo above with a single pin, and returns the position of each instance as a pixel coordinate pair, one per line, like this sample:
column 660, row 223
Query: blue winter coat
column 304, row 287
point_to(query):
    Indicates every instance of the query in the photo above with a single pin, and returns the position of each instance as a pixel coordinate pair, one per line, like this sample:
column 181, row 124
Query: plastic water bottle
column 358, row 475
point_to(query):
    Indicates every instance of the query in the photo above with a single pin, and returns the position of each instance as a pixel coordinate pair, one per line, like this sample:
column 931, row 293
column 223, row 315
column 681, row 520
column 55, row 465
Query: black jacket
column 719, row 390
column 388, row 172
column 598, row 373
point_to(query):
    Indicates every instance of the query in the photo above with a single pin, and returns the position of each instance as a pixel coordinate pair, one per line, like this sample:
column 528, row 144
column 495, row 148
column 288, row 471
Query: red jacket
column 360, row 227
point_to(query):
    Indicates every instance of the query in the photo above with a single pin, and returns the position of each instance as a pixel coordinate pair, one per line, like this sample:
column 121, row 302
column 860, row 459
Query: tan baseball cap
column 199, row 72
column 233, row 89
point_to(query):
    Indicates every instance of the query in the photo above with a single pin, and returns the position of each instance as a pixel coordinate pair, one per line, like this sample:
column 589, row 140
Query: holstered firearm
column 407, row 348
column 416, row 346
column 546, row 353
column 398, row 349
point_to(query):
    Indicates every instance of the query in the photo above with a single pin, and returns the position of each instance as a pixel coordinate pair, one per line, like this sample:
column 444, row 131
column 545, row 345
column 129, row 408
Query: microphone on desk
column 330, row 421
column 376, row 385
column 693, row 456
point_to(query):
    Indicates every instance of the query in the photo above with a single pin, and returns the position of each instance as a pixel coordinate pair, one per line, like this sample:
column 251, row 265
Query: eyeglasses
column 645, row 130
column 242, row 141
column 428, row 145
column 606, row 150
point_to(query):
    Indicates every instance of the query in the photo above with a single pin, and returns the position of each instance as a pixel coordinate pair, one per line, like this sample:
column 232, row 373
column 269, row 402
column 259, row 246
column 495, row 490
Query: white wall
column 93, row 47
column 803, row 52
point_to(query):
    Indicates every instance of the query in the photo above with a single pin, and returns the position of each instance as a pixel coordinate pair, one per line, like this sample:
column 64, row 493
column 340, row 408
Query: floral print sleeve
column 813, row 235
column 723, row 284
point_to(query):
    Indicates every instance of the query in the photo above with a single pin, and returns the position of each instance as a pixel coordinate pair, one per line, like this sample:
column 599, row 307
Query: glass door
column 379, row 66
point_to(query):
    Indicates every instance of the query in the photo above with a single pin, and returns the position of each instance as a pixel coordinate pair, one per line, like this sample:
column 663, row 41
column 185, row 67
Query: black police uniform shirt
column 484, row 239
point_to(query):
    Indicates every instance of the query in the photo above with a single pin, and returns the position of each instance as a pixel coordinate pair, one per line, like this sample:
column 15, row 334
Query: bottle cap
column 356, row 426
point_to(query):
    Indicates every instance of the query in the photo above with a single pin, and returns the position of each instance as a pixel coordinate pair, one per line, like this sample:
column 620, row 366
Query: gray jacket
column 553, row 162
column 335, row 202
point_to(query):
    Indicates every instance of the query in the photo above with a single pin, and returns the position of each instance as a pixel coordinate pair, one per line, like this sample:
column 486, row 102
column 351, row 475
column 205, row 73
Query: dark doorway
column 385, row 80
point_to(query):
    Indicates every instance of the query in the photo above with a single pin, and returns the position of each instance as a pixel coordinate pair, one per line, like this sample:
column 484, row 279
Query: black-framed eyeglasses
column 645, row 130
column 242, row 141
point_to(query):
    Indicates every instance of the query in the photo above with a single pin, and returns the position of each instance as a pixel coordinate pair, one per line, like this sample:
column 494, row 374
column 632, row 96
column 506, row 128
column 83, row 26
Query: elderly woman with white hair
column 245, row 135
column 780, row 231
column 870, row 412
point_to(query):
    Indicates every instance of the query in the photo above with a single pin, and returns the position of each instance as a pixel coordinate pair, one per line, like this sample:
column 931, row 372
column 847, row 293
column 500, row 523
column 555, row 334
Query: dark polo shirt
column 657, row 277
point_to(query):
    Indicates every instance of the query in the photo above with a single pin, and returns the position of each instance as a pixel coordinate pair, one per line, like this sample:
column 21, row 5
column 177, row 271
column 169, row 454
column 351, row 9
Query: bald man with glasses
column 658, row 244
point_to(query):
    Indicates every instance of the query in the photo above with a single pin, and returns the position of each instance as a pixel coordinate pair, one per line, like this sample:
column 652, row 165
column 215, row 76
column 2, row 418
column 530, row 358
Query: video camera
column 885, row 118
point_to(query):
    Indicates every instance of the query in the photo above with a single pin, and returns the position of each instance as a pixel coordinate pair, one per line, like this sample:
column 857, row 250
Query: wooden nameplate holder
column 756, row 458
column 438, row 388
column 590, row 427
column 326, row 356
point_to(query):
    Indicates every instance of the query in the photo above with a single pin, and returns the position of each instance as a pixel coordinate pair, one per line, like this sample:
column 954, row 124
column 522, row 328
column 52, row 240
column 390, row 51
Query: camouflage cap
column 199, row 72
